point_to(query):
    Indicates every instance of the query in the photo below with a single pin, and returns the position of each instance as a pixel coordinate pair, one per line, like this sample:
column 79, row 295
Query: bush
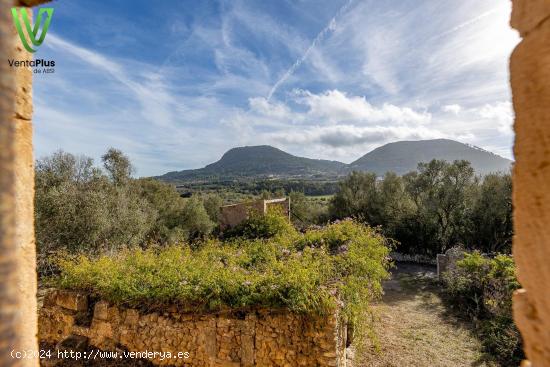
column 269, row 225
column 482, row 288
column 80, row 209
column 301, row 273
column 195, row 220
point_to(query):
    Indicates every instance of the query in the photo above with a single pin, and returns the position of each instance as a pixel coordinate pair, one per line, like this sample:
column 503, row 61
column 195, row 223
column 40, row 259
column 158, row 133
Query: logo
column 32, row 31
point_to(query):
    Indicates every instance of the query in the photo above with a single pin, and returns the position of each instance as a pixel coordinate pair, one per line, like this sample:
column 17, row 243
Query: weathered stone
column 530, row 79
column 529, row 14
column 232, row 215
column 74, row 343
column 261, row 338
column 72, row 300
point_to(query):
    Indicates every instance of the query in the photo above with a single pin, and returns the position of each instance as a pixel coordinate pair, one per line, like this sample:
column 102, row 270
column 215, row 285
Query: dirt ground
column 415, row 329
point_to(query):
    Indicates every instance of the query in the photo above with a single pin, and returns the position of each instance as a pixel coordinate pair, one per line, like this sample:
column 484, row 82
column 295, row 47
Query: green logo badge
column 32, row 31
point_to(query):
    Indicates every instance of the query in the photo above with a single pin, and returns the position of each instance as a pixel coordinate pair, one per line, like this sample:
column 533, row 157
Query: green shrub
column 482, row 288
column 269, row 225
column 298, row 272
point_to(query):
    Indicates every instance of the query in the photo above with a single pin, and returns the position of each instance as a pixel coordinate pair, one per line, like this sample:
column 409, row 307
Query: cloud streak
column 243, row 73
column 320, row 36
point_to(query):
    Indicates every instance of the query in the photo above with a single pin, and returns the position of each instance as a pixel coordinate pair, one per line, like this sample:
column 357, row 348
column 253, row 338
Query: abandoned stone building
column 232, row 215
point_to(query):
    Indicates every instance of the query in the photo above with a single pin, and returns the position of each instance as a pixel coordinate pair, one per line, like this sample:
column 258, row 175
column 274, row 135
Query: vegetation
column 271, row 225
column 238, row 190
column 81, row 208
column 139, row 242
column 432, row 209
column 305, row 273
column 482, row 288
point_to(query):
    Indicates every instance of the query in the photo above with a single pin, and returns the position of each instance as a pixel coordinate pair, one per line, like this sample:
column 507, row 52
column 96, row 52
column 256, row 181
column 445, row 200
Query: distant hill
column 264, row 161
column 260, row 161
column 403, row 156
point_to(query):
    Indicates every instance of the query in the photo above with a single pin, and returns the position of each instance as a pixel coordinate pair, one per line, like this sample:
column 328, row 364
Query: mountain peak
column 403, row 156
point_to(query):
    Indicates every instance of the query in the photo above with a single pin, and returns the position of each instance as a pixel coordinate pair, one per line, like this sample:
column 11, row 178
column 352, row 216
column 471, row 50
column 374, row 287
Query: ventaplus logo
column 32, row 36
column 32, row 31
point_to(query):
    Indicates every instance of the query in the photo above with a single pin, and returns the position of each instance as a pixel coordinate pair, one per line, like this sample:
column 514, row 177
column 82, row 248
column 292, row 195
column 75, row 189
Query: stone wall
column 447, row 261
column 232, row 215
column 254, row 338
column 530, row 79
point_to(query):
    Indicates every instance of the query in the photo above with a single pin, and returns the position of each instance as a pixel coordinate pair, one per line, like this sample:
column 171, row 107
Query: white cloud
column 351, row 136
column 334, row 106
column 374, row 73
column 501, row 113
column 275, row 110
column 452, row 108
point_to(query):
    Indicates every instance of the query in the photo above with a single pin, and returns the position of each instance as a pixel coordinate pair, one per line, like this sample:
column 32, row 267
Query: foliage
column 247, row 187
column 429, row 210
column 299, row 272
column 80, row 209
column 482, row 288
column 169, row 206
column 195, row 219
column 307, row 211
column 212, row 204
column 269, row 225
column 118, row 166
column 492, row 214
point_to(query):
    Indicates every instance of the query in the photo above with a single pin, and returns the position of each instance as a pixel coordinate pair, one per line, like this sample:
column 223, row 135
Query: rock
column 71, row 300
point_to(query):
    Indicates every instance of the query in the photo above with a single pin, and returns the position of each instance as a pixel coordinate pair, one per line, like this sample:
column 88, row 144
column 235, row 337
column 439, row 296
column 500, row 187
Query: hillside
column 264, row 161
column 260, row 161
column 403, row 156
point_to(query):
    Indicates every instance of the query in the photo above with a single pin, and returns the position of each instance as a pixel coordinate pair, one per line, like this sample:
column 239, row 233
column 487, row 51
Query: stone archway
column 530, row 78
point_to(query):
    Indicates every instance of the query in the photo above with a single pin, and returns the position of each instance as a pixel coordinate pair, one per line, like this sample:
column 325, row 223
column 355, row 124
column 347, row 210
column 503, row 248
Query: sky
column 174, row 84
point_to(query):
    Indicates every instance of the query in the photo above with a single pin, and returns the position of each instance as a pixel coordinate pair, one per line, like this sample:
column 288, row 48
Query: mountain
column 265, row 161
column 403, row 156
column 260, row 161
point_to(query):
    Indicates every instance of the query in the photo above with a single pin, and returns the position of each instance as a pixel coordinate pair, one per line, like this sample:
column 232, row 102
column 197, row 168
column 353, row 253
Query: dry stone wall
column 255, row 338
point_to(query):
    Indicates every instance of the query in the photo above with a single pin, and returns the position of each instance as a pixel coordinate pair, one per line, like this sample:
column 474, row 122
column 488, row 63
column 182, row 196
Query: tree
column 195, row 220
column 306, row 211
column 168, row 204
column 212, row 204
column 118, row 166
column 442, row 193
column 357, row 197
column 492, row 226
column 440, row 205
column 78, row 209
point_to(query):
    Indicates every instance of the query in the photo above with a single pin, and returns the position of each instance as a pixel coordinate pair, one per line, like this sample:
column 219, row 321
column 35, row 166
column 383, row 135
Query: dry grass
column 414, row 328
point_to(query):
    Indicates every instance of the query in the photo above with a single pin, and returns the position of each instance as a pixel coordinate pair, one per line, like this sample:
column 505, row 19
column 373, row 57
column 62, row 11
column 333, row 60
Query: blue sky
column 175, row 84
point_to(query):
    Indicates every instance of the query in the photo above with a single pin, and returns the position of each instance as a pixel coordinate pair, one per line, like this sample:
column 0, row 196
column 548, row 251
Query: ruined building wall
column 253, row 338
column 530, row 79
column 233, row 215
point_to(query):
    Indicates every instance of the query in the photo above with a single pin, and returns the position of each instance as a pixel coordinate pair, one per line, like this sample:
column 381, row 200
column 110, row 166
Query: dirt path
column 414, row 328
